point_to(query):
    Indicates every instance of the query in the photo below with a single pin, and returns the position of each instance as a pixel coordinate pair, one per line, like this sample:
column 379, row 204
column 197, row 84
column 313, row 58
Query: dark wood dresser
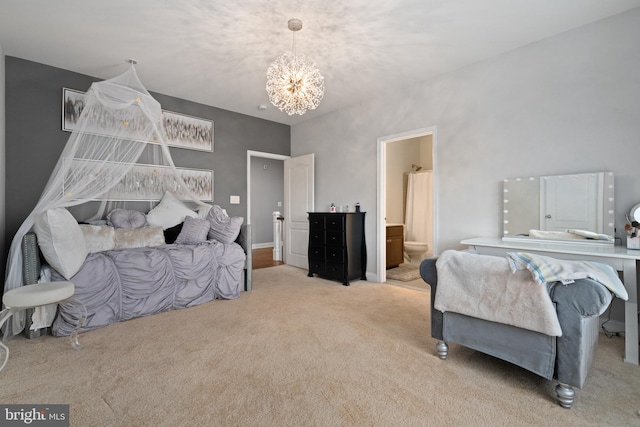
column 337, row 247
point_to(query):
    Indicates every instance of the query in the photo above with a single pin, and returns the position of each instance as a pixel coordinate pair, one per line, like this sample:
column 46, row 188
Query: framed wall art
column 187, row 132
column 72, row 105
column 149, row 182
column 181, row 130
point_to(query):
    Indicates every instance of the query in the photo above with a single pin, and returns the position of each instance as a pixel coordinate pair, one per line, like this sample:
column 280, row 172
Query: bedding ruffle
column 124, row 284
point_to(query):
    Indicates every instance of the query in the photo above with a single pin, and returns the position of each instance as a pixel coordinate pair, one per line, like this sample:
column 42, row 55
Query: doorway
column 384, row 150
column 264, row 196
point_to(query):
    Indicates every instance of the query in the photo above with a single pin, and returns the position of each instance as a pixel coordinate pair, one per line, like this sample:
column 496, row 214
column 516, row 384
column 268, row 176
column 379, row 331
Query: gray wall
column 34, row 139
column 567, row 104
column 2, row 165
column 267, row 189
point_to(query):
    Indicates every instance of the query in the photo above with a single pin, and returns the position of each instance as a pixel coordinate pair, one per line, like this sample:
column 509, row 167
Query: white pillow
column 98, row 238
column 144, row 237
column 61, row 241
column 169, row 212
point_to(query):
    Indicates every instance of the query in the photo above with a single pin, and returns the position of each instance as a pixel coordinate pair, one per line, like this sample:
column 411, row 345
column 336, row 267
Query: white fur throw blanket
column 484, row 287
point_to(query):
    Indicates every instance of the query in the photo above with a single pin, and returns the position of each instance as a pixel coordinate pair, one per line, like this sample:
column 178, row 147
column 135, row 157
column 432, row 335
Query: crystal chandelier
column 294, row 83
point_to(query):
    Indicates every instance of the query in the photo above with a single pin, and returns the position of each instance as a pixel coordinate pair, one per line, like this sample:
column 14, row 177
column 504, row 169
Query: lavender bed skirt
column 124, row 284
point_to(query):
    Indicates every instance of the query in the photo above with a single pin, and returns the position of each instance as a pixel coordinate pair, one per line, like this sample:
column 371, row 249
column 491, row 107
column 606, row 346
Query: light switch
column 279, row 203
column 234, row 200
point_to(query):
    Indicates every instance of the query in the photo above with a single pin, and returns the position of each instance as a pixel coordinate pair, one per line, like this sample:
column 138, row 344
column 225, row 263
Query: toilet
column 414, row 251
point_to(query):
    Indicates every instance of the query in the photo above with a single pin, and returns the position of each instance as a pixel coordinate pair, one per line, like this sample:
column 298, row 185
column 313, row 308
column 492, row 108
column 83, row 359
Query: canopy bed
column 124, row 263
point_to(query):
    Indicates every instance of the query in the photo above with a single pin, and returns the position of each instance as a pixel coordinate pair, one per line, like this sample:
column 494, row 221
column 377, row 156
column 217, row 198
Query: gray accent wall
column 566, row 104
column 34, row 139
column 2, row 166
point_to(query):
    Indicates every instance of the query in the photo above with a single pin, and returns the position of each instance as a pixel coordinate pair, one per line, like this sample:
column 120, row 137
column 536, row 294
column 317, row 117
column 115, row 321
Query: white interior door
column 298, row 200
column 569, row 202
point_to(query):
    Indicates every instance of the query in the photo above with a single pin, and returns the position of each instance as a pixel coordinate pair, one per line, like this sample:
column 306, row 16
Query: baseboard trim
column 262, row 245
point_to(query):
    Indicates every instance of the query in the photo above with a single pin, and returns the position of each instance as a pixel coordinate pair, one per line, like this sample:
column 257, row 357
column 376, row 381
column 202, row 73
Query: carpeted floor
column 300, row 351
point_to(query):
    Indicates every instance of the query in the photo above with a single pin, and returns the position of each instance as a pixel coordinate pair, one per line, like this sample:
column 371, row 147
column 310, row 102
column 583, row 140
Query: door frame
column 381, row 249
column 258, row 154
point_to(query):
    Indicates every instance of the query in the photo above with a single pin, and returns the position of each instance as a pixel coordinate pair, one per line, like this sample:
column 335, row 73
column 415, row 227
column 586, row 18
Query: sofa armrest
column 429, row 274
column 579, row 306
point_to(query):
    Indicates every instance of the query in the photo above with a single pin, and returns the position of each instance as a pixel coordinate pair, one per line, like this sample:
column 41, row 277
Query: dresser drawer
column 316, row 222
column 317, row 265
column 334, row 271
column 317, row 252
column 316, row 237
column 334, row 238
column 335, row 222
column 335, row 254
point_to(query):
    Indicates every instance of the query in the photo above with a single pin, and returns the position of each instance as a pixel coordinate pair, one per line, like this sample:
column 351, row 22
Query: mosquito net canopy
column 117, row 125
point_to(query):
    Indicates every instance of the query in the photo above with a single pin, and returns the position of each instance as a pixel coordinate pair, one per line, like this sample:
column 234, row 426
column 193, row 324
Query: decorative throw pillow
column 194, row 231
column 169, row 212
column 223, row 228
column 138, row 237
column 61, row 241
column 125, row 218
column 172, row 233
column 98, row 238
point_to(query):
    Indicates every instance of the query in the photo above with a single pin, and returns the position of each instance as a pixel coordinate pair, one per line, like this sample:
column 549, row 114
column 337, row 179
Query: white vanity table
column 618, row 257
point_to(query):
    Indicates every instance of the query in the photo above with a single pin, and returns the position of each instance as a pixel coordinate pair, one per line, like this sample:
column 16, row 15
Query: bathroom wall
column 401, row 155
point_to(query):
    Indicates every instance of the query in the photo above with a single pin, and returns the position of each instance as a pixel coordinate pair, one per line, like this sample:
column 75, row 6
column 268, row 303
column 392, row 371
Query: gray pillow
column 194, row 230
column 125, row 218
column 224, row 229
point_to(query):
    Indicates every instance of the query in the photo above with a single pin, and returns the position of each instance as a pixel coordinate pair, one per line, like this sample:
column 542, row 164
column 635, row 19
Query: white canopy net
column 119, row 127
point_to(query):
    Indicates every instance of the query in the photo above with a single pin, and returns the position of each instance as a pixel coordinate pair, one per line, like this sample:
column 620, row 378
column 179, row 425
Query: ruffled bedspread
column 124, row 284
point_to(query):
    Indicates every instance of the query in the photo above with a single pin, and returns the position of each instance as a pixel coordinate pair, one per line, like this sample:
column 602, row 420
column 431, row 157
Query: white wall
column 567, row 104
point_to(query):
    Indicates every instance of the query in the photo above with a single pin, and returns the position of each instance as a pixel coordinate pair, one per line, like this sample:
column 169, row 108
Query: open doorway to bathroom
column 406, row 200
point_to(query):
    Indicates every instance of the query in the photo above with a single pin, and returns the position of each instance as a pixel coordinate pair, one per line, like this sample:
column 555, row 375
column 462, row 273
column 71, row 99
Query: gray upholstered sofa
column 566, row 358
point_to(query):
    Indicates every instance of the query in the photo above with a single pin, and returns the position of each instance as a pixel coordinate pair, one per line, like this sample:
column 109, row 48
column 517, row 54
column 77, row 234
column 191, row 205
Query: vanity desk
column 618, row 257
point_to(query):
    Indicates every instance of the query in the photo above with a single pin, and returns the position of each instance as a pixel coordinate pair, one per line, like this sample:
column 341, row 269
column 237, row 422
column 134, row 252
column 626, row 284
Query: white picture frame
column 181, row 130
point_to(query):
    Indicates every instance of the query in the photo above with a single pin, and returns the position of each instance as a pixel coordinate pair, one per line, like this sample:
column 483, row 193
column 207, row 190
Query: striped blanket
column 546, row 269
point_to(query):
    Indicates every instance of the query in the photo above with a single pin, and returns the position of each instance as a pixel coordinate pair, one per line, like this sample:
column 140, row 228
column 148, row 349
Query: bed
column 136, row 276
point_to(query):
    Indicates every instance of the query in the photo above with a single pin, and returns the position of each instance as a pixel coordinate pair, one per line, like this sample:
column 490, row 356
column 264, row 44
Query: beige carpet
column 300, row 351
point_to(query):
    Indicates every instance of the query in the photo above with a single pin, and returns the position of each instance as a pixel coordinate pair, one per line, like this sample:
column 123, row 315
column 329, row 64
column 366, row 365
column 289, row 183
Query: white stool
column 37, row 295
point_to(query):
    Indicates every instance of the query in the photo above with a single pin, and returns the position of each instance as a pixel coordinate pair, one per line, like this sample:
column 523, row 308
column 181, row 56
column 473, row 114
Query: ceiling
column 216, row 52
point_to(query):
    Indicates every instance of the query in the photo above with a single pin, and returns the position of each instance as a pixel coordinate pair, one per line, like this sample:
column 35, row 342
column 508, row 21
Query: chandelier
column 294, row 83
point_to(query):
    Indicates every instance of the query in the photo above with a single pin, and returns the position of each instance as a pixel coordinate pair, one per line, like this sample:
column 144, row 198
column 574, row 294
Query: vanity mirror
column 551, row 205
column 634, row 215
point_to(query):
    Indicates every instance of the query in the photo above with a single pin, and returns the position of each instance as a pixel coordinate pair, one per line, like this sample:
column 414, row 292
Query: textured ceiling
column 216, row 52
